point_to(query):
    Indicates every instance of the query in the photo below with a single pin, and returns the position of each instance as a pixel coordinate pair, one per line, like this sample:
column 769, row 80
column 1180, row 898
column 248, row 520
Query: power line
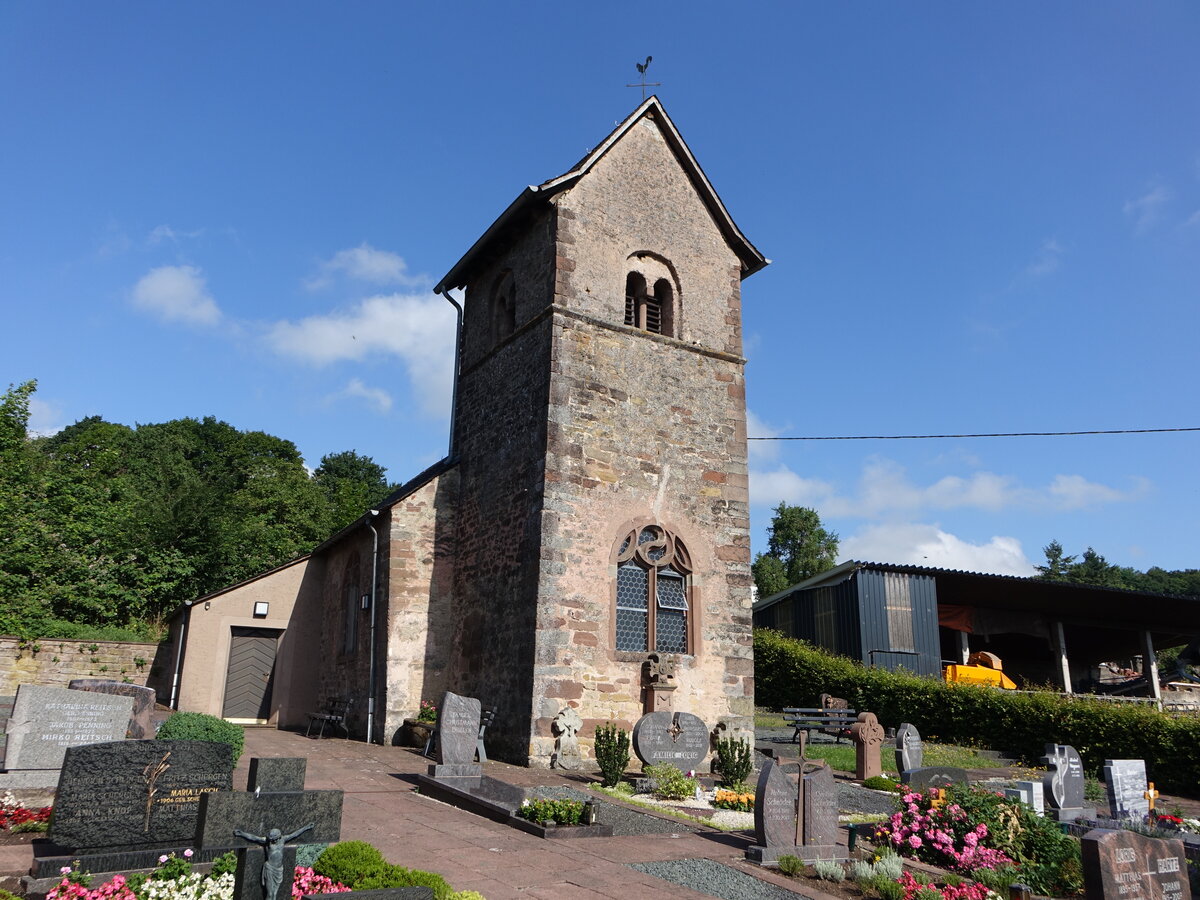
column 926, row 437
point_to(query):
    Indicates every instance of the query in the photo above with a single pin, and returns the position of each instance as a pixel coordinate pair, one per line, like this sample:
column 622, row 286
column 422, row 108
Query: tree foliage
column 108, row 525
column 798, row 547
column 1092, row 568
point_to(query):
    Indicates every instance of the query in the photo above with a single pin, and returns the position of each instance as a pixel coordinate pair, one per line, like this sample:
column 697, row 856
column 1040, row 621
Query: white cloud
column 176, row 294
column 1193, row 219
column 364, row 263
column 884, row 489
column 45, row 419
column 761, row 451
column 927, row 545
column 1146, row 210
column 1047, row 259
column 418, row 329
column 376, row 397
column 162, row 233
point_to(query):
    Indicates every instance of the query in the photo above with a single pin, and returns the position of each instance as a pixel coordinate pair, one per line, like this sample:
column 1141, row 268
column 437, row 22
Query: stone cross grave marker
column 48, row 720
column 867, row 735
column 910, row 750
column 680, row 739
column 262, row 824
column 1124, row 865
column 457, row 737
column 140, row 725
column 566, row 725
column 797, row 818
column 1125, row 784
column 1064, row 784
column 118, row 801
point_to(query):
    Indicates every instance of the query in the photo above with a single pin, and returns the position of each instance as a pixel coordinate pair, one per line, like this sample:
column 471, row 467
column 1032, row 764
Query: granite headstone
column 48, row 720
column 910, row 750
column 276, row 774
column 774, row 808
column 223, row 812
column 775, row 815
column 136, row 794
column 141, row 725
column 457, row 736
column 1124, row 865
column 935, row 777
column 820, row 808
column 1064, row 784
column 1125, row 783
column 678, row 738
column 1029, row 792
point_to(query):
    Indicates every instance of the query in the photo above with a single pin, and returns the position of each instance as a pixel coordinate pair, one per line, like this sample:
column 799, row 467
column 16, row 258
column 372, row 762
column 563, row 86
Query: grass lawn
column 841, row 757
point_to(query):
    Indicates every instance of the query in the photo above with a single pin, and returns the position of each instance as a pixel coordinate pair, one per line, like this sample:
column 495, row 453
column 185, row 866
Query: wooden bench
column 833, row 717
column 334, row 713
column 486, row 716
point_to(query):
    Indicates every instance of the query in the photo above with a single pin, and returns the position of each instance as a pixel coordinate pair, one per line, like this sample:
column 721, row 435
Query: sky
column 982, row 217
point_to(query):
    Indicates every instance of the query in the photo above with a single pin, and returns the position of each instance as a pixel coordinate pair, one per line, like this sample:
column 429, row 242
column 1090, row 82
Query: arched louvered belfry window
column 648, row 310
column 653, row 592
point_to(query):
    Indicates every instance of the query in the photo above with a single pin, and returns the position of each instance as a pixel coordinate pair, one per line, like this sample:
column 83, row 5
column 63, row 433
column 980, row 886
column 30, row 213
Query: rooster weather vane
column 643, row 84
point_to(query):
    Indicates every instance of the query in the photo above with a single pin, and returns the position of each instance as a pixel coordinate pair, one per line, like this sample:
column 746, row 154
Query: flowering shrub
column 309, row 882
column 962, row 891
column 942, row 836
column 427, row 712
column 15, row 817
column 742, row 802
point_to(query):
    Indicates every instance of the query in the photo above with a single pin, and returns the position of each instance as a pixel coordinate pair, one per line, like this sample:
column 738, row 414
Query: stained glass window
column 652, row 563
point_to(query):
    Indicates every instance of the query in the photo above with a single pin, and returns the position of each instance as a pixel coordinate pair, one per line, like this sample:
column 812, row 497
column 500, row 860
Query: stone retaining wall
column 56, row 661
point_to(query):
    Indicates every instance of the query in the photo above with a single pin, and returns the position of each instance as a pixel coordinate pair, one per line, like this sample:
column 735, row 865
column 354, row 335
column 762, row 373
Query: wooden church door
column 251, row 672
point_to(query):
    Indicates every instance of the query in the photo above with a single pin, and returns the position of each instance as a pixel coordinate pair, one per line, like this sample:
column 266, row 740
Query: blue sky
column 983, row 217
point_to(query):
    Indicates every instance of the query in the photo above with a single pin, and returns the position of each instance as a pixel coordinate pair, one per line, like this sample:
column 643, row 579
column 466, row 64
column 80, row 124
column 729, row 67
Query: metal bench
column 486, row 716
column 833, row 717
column 334, row 713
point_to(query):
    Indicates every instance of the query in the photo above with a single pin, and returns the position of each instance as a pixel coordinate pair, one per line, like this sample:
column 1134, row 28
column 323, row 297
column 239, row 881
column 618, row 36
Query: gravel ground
column 712, row 878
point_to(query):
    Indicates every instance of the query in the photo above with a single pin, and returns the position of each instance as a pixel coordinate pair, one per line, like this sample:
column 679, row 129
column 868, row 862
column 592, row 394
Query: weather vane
column 643, row 84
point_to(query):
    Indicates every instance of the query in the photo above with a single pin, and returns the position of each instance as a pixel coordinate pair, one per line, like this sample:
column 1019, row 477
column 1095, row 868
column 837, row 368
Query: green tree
column 798, row 547
column 1058, row 565
column 352, row 484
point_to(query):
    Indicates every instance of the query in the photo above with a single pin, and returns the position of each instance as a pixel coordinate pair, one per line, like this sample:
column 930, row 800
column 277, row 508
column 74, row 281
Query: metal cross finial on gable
column 643, row 84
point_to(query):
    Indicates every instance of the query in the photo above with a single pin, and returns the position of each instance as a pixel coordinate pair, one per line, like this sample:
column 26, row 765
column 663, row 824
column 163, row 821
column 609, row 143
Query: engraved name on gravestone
column 1064, row 783
column 48, row 720
column 140, row 724
column 774, row 808
column 910, row 751
column 678, row 738
column 820, row 808
column 457, row 730
column 1125, row 783
column 136, row 794
column 1124, row 865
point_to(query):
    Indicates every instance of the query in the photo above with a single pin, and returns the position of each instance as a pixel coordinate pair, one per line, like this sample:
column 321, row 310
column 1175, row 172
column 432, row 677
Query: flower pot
column 415, row 733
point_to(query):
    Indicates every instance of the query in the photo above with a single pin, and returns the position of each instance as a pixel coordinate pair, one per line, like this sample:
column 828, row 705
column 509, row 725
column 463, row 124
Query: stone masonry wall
column 419, row 588
column 55, row 662
column 642, row 428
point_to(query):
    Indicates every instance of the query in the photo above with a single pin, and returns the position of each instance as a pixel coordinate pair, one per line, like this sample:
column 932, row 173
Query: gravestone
column 867, row 735
column 1029, row 792
column 936, row 777
column 120, row 804
column 679, row 738
column 48, row 720
column 1064, row 784
column 566, row 725
column 1125, row 783
column 418, row 892
column 1124, row 865
column 457, row 737
column 276, row 774
column 910, row 751
column 775, row 805
column 141, row 726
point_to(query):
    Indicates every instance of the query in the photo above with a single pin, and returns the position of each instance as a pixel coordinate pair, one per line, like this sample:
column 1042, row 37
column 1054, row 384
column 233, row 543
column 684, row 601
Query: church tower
column 602, row 509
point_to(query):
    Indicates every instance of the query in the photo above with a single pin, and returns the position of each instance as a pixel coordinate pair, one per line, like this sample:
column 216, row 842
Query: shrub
column 670, row 783
column 612, row 753
column 735, row 761
column 398, row 877
column 225, row 864
column 192, row 726
column 350, row 862
column 562, row 812
column 881, row 783
column 740, row 801
column 888, row 889
column 792, row 673
column 830, row 870
column 791, row 865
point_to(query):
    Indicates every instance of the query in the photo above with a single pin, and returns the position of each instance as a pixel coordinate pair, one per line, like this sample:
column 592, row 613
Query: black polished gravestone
column 1064, row 784
column 457, row 737
column 1124, row 865
column 120, row 804
column 1125, row 783
column 276, row 774
column 935, row 777
column 679, row 738
column 910, row 751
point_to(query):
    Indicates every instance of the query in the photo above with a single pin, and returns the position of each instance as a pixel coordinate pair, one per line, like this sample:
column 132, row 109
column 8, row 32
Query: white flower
column 65, row 870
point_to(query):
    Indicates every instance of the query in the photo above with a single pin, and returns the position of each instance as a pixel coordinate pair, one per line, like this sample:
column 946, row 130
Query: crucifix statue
column 272, row 843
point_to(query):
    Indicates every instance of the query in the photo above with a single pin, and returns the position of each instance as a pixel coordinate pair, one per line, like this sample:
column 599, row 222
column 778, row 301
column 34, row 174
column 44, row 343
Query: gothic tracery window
column 653, row 580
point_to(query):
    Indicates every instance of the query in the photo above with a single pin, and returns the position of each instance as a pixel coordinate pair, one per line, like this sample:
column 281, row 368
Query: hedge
column 788, row 672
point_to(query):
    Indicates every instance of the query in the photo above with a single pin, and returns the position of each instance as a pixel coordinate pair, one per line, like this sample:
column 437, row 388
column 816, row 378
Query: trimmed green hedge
column 788, row 672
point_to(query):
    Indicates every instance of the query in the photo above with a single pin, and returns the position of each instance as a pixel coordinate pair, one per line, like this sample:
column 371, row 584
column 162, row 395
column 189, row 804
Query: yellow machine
column 981, row 668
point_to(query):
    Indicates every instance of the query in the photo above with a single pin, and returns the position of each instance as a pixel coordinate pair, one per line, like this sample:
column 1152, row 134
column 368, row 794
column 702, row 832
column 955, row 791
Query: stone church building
column 593, row 509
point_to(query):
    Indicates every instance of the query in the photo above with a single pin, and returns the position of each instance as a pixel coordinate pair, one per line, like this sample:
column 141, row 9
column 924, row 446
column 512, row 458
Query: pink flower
column 914, row 842
column 65, row 870
column 163, row 858
column 187, row 854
